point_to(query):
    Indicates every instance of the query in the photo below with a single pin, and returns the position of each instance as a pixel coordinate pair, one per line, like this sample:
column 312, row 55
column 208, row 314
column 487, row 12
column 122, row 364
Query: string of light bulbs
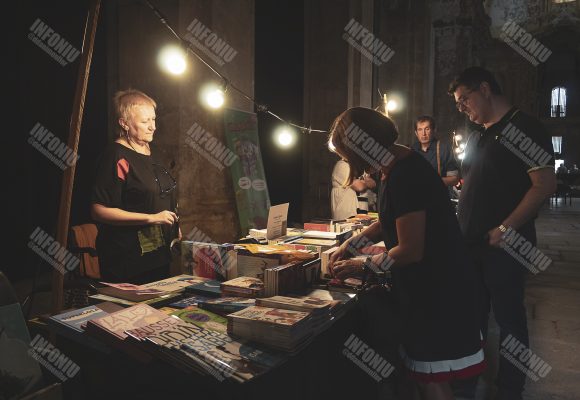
column 226, row 83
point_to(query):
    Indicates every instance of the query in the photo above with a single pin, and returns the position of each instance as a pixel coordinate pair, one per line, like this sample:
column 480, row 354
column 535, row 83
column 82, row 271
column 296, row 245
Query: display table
column 320, row 371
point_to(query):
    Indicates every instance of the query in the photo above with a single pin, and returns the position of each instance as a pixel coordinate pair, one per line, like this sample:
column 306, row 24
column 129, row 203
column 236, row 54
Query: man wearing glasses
column 508, row 173
column 134, row 199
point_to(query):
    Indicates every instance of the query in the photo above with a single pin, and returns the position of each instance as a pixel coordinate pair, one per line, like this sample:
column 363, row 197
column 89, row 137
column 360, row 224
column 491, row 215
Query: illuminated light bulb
column 461, row 156
column 458, row 150
column 285, row 137
column 215, row 98
column 392, row 105
column 172, row 60
column 458, row 137
column 462, row 146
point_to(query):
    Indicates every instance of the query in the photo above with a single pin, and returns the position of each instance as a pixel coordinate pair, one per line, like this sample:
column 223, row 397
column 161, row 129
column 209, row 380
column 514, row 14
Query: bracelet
column 502, row 228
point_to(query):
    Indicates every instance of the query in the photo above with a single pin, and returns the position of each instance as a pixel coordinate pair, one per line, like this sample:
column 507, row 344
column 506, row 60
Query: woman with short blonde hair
column 134, row 198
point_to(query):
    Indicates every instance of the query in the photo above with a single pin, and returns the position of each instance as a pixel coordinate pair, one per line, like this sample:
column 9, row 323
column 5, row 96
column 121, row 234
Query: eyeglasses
column 460, row 103
column 164, row 172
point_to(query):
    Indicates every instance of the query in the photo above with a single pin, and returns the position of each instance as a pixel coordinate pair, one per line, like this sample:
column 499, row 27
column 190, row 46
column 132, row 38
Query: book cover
column 208, row 260
column 190, row 344
column 305, row 304
column 272, row 316
column 202, row 318
column 117, row 323
column 77, row 319
column 243, row 284
column 189, row 301
column 314, row 226
column 128, row 291
column 209, row 288
column 173, row 284
column 325, row 260
column 226, row 305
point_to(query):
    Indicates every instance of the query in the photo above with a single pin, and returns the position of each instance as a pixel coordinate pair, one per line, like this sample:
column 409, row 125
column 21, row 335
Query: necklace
column 128, row 141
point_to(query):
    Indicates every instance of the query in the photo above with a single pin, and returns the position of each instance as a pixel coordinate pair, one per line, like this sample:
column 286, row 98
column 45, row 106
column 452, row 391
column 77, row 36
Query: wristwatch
column 365, row 264
column 502, row 228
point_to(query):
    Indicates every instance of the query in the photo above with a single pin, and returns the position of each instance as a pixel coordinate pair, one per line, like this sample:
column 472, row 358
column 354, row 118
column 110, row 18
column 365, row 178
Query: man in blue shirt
column 438, row 154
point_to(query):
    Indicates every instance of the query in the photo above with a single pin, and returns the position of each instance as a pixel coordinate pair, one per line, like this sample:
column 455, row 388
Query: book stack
column 284, row 330
column 111, row 328
column 328, row 225
column 340, row 302
column 128, row 291
column 243, row 286
column 192, row 348
column 323, row 243
column 151, row 293
column 319, row 309
column 293, row 277
column 339, row 237
column 261, row 235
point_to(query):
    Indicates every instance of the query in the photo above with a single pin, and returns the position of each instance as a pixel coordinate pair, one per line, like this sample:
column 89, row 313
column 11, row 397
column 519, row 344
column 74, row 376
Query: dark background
column 47, row 90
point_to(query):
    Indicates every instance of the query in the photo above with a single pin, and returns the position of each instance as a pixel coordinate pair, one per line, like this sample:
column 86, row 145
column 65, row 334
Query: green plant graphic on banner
column 249, row 179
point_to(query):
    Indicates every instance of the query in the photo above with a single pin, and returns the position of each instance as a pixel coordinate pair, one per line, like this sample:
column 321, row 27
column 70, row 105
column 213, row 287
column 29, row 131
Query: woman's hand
column 348, row 268
column 337, row 255
column 163, row 218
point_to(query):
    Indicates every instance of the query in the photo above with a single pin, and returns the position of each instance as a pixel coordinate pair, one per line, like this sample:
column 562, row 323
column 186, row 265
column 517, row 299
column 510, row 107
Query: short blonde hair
column 125, row 100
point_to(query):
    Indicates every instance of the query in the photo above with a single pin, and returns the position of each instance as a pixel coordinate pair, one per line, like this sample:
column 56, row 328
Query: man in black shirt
column 439, row 155
column 508, row 172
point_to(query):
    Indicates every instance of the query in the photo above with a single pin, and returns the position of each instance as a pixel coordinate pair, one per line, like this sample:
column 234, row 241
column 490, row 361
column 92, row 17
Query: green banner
column 249, row 179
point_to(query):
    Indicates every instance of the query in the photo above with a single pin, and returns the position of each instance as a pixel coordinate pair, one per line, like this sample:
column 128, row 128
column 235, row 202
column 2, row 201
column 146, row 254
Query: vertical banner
column 249, row 179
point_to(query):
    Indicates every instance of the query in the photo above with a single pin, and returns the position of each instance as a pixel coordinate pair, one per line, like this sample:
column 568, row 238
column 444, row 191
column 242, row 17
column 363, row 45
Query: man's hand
column 495, row 237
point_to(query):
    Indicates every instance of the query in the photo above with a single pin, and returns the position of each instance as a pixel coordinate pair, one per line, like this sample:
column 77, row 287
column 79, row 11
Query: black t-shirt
column 437, row 325
column 495, row 171
column 138, row 183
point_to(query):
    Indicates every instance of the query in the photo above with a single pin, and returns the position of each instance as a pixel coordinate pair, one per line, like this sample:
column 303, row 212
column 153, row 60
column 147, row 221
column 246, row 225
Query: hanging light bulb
column 285, row 137
column 172, row 59
column 213, row 95
column 215, row 98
